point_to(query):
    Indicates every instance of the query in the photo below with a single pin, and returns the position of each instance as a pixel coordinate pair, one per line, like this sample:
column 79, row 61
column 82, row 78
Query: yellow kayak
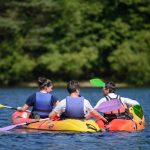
column 60, row 125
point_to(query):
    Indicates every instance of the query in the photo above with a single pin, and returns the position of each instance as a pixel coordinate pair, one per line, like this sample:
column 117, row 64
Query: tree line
column 75, row 39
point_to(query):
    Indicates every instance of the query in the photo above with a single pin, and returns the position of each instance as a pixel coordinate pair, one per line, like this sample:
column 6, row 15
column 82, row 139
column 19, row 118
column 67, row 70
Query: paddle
column 97, row 82
column 9, row 107
column 109, row 106
column 138, row 111
column 21, row 124
column 4, row 106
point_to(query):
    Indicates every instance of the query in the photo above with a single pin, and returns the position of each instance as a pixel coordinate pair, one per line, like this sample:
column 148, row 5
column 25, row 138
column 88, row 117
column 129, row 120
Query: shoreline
column 83, row 84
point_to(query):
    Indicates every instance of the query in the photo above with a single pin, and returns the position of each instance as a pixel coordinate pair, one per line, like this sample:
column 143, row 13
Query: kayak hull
column 60, row 125
column 136, row 123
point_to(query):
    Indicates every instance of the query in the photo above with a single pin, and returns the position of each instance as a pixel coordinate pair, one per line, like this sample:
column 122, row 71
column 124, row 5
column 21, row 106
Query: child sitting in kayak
column 42, row 101
column 109, row 94
column 74, row 106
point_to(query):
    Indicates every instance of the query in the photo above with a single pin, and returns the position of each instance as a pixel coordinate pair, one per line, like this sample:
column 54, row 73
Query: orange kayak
column 137, row 121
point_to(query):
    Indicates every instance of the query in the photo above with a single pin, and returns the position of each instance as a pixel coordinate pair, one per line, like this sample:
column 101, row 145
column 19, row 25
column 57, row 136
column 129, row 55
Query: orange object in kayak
column 59, row 125
column 136, row 123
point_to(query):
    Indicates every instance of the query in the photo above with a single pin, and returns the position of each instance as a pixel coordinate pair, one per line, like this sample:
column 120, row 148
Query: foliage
column 75, row 39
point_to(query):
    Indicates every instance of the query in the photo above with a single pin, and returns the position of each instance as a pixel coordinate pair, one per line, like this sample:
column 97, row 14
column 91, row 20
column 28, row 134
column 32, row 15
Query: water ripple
column 20, row 139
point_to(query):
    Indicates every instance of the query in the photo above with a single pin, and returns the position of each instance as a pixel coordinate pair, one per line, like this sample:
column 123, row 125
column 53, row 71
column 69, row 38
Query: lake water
column 36, row 140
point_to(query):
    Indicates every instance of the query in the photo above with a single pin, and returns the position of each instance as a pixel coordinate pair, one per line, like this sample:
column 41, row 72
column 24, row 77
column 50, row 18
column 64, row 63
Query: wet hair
column 44, row 82
column 73, row 86
column 111, row 86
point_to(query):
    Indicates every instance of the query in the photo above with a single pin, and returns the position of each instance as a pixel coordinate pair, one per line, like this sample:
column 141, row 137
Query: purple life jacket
column 74, row 107
column 42, row 106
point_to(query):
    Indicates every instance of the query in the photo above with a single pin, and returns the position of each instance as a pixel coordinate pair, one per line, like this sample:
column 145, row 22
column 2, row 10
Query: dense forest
column 75, row 39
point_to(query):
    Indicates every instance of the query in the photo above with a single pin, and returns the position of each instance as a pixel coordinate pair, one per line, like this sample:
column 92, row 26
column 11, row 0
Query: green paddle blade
column 138, row 111
column 97, row 82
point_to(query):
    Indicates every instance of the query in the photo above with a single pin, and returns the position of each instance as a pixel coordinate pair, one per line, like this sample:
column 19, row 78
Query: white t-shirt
column 60, row 108
column 127, row 101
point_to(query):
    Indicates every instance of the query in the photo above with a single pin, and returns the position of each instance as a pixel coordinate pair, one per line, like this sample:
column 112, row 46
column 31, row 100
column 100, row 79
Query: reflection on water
column 20, row 139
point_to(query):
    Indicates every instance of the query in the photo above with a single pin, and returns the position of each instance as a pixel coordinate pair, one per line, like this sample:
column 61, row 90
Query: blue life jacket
column 42, row 106
column 74, row 107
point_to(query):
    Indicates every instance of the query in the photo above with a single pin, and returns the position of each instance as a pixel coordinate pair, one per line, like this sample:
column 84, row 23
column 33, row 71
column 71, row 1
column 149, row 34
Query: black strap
column 108, row 98
column 90, row 126
column 118, row 97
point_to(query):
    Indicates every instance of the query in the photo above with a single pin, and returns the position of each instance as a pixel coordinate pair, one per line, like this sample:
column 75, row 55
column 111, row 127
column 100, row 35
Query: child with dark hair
column 109, row 94
column 74, row 106
column 42, row 101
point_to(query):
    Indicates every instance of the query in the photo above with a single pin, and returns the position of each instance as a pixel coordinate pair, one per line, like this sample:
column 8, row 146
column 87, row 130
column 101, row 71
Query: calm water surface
column 18, row 139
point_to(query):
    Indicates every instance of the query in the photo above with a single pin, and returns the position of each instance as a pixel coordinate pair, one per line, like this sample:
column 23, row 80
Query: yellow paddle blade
column 2, row 106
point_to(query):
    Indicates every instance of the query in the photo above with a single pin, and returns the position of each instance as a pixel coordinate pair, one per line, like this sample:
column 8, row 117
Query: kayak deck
column 60, row 125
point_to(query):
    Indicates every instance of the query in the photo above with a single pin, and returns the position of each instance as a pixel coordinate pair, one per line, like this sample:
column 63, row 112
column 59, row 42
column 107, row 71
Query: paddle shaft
column 9, row 107
column 21, row 124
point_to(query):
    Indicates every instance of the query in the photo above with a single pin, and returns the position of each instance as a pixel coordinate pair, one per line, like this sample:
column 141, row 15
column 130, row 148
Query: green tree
column 76, row 39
